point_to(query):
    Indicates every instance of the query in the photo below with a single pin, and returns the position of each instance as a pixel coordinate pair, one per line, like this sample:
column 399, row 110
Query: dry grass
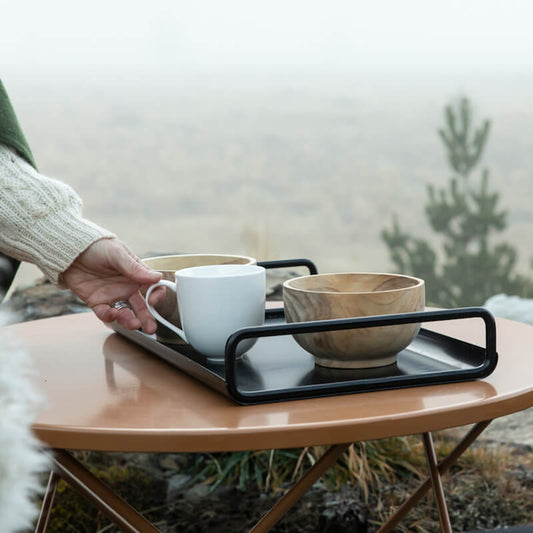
column 488, row 487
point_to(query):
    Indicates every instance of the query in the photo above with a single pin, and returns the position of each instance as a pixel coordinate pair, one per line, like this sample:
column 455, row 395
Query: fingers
column 105, row 312
column 134, row 317
column 107, row 272
column 131, row 266
column 125, row 316
column 156, row 296
column 147, row 321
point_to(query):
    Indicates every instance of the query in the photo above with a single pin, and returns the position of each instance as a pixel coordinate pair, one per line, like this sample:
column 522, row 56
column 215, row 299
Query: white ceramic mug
column 168, row 265
column 214, row 301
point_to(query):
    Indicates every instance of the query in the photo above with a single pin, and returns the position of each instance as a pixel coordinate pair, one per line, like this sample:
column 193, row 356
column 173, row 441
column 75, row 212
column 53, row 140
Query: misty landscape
column 308, row 167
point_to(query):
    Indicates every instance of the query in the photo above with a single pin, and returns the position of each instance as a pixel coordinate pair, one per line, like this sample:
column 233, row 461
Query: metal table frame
column 129, row 520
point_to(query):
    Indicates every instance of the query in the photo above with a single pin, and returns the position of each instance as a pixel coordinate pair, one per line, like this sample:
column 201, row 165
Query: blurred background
column 275, row 129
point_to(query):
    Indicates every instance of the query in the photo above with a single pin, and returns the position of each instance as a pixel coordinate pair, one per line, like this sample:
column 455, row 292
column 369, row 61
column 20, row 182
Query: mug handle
column 156, row 315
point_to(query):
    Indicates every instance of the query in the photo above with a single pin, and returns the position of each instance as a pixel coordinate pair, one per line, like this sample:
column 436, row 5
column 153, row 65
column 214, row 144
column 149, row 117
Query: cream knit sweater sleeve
column 40, row 218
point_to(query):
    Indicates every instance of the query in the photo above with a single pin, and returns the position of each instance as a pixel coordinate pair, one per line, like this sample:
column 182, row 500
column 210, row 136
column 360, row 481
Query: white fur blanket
column 21, row 460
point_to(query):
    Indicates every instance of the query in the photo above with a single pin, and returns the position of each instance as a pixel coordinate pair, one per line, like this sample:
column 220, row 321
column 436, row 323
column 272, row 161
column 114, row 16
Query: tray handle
column 286, row 263
column 491, row 356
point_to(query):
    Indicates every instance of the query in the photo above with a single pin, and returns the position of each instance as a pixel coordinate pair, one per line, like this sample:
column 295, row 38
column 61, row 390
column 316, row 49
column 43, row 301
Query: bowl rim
column 251, row 260
column 419, row 283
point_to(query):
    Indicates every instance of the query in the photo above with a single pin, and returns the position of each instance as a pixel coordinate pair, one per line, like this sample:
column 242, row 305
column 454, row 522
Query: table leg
column 48, row 502
column 436, row 481
column 99, row 494
column 278, row 511
column 442, row 467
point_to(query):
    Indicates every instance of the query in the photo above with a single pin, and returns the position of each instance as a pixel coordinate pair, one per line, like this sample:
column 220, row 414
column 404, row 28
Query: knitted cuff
column 55, row 241
column 58, row 239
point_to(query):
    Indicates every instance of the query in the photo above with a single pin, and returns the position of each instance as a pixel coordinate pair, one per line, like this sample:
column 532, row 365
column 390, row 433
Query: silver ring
column 120, row 304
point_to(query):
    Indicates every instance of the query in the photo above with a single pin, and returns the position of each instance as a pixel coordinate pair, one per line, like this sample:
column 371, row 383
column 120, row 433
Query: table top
column 105, row 393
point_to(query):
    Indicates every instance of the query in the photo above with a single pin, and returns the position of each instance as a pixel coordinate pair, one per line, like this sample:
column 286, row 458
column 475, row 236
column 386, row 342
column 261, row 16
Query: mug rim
column 197, row 272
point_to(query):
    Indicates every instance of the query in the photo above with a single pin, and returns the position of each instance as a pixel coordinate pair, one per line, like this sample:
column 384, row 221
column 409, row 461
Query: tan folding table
column 105, row 393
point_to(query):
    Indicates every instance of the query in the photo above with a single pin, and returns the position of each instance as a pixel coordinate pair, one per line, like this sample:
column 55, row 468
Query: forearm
column 40, row 218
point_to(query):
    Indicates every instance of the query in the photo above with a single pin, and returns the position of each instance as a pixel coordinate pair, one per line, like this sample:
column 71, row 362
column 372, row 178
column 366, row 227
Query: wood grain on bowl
column 354, row 294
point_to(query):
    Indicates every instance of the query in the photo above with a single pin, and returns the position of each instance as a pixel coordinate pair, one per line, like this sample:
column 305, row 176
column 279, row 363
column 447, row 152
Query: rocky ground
column 515, row 429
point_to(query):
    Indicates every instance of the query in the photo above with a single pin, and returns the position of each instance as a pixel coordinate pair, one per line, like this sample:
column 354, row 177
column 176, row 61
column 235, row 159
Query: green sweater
column 10, row 131
column 11, row 135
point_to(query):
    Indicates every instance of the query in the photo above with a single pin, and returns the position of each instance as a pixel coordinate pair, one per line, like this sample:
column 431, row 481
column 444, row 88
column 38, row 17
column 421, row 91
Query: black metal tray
column 278, row 369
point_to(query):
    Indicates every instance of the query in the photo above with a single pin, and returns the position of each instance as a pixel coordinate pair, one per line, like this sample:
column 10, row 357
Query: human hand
column 107, row 272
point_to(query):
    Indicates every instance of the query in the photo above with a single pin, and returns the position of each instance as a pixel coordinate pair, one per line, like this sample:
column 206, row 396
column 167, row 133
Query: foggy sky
column 236, row 33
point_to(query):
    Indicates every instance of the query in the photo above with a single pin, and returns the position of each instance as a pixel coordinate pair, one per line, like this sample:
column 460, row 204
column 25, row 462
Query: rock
column 41, row 300
column 515, row 428
column 274, row 283
column 512, row 307
column 176, row 484
column 343, row 513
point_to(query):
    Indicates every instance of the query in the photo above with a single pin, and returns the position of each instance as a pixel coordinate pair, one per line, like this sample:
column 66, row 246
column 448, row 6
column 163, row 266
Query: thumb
column 133, row 268
column 144, row 275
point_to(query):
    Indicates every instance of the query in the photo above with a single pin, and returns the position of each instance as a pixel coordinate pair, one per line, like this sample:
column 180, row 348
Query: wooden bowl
column 167, row 265
column 345, row 295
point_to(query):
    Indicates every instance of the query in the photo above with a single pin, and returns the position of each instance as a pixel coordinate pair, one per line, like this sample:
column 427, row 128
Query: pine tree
column 465, row 216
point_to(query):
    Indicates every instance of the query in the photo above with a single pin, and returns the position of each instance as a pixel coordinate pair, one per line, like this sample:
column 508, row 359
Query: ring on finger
column 120, row 304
